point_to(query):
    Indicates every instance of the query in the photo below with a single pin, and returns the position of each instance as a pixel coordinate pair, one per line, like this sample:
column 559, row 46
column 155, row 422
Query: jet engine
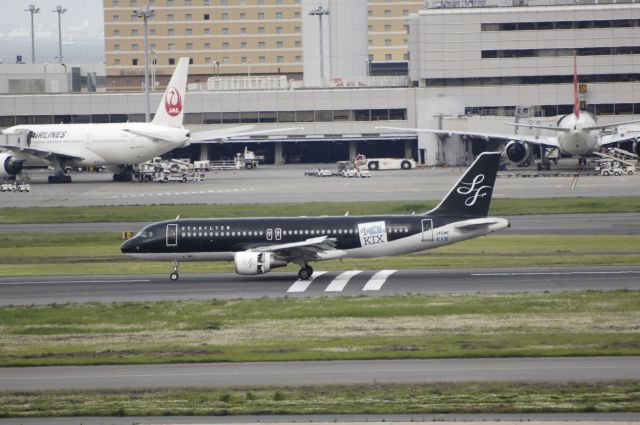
column 9, row 166
column 636, row 147
column 254, row 263
column 517, row 152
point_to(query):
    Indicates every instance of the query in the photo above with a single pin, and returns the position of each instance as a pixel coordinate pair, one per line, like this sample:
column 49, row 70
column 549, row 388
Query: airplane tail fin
column 171, row 109
column 576, row 93
column 471, row 196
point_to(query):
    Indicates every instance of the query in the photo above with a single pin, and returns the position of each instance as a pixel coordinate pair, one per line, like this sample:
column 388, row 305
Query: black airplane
column 258, row 245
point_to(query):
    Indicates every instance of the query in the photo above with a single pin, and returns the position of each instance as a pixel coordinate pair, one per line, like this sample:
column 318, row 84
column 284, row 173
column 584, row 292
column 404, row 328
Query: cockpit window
column 146, row 234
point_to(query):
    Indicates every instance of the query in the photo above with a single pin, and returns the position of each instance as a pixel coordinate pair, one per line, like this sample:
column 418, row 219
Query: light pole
column 32, row 9
column 154, row 62
column 59, row 10
column 320, row 12
column 146, row 13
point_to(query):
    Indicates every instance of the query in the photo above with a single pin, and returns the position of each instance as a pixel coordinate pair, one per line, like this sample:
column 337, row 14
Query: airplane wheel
column 305, row 273
column 173, row 276
column 547, row 166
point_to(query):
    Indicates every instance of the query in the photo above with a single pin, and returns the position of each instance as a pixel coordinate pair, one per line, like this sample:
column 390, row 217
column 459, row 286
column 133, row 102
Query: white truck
column 362, row 161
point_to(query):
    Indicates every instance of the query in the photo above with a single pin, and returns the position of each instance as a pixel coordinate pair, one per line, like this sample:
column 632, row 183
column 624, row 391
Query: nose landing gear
column 174, row 275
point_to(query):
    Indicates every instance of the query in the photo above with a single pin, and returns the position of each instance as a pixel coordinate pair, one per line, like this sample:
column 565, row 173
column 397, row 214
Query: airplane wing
column 214, row 136
column 40, row 153
column 534, row 140
column 307, row 249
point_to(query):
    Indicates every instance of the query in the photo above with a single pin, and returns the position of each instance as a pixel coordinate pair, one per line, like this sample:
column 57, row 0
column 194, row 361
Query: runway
column 75, row 289
column 545, row 224
column 275, row 184
column 551, row 369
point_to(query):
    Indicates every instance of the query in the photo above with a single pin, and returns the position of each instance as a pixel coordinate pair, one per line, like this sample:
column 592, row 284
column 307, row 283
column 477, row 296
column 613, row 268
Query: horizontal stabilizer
column 477, row 223
column 541, row 127
column 154, row 135
column 615, row 124
column 214, row 136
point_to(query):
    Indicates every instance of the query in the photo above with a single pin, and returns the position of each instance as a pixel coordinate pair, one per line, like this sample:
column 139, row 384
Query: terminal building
column 470, row 68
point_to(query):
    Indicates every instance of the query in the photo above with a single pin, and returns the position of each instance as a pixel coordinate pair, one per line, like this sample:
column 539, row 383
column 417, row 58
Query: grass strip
column 496, row 397
column 147, row 213
column 285, row 329
column 99, row 253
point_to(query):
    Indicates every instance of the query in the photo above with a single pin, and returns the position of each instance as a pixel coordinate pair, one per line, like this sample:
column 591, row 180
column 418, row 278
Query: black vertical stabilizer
column 471, row 195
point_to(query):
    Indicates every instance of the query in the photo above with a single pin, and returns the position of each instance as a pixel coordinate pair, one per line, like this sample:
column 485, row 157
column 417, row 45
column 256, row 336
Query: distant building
column 23, row 78
column 231, row 37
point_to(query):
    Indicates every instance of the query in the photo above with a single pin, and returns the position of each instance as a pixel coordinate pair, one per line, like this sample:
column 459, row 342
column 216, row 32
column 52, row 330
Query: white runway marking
column 341, row 281
column 302, row 285
column 377, row 280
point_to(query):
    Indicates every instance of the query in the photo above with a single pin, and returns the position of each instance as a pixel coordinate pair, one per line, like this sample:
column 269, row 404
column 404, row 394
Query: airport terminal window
column 324, row 116
column 211, row 118
column 221, row 117
column 230, row 117
column 379, row 115
column 304, row 116
column 43, row 119
column 193, row 118
column 555, row 25
column 397, row 114
column 344, row 115
column 249, row 117
column 362, row 115
column 286, row 116
column 268, row 116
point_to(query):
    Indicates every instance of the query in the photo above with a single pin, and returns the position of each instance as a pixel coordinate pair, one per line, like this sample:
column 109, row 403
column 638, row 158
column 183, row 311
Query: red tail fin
column 576, row 94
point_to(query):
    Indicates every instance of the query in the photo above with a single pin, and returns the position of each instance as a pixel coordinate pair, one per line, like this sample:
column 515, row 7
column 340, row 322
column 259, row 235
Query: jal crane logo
column 474, row 190
column 173, row 102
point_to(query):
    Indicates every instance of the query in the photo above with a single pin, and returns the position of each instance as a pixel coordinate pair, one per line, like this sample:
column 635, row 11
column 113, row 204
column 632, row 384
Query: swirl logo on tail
column 473, row 189
column 173, row 102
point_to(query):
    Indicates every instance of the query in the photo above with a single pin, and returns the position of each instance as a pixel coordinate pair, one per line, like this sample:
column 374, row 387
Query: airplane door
column 172, row 235
column 427, row 230
column 278, row 234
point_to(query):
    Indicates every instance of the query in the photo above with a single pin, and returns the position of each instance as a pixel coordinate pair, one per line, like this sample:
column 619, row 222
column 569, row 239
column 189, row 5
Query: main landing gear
column 59, row 178
column 122, row 177
column 174, row 275
column 305, row 272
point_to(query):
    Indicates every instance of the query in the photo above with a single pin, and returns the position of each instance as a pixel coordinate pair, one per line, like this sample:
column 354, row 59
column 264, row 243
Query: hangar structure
column 470, row 68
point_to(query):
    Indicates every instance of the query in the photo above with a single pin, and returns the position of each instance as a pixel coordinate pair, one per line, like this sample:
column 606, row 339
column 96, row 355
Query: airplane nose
column 130, row 246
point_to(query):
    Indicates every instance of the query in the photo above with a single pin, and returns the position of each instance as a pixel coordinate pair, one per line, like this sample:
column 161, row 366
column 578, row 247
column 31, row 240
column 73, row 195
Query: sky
column 82, row 31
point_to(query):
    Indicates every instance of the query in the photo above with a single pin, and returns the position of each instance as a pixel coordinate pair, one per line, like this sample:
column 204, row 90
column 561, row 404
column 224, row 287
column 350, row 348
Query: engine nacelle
column 517, row 152
column 9, row 166
column 254, row 263
column 636, row 147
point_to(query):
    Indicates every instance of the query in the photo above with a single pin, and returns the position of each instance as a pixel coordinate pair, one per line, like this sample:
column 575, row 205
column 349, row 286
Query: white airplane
column 578, row 134
column 118, row 145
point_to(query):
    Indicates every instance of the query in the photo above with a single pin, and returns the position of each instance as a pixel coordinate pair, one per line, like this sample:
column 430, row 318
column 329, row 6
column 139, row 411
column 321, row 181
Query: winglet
column 471, row 196
column 576, row 93
column 171, row 109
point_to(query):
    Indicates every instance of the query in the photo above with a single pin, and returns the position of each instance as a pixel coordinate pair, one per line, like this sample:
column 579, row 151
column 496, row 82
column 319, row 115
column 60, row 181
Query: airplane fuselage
column 577, row 141
column 100, row 144
column 355, row 236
